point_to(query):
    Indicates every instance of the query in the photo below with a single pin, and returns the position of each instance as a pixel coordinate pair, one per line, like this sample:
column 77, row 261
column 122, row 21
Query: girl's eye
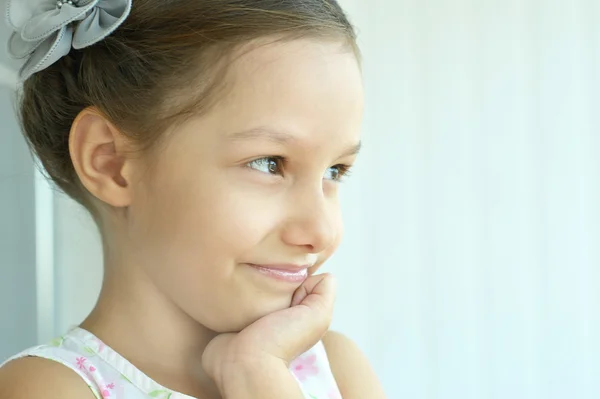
column 337, row 173
column 275, row 166
column 269, row 165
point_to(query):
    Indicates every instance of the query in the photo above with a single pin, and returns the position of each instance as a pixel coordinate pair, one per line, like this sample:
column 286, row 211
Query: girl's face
column 253, row 182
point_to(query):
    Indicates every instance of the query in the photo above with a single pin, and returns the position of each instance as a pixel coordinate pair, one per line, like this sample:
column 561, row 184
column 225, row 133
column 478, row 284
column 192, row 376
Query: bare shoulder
column 351, row 368
column 32, row 377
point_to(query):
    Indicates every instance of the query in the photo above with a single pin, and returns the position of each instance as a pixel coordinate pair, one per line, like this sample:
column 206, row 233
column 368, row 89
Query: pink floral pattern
column 108, row 390
column 304, row 367
column 81, row 362
column 109, row 376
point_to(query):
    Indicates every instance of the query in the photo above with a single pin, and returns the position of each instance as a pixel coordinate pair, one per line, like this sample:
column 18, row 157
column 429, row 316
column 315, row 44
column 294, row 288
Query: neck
column 135, row 319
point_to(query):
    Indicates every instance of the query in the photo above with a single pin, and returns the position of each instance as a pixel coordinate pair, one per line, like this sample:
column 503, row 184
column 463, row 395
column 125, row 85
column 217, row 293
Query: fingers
column 300, row 294
column 283, row 334
column 318, row 292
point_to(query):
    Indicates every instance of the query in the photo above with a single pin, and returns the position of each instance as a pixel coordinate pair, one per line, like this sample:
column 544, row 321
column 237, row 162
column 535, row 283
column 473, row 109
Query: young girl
column 208, row 139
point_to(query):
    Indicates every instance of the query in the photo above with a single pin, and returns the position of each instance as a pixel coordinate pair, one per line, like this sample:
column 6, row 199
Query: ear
column 98, row 152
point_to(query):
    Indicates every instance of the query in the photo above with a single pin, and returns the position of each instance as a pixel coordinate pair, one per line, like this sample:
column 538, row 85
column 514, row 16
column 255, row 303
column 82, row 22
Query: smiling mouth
column 287, row 273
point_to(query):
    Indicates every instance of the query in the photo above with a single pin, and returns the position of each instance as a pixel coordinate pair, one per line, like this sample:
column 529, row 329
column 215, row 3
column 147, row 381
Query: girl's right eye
column 269, row 165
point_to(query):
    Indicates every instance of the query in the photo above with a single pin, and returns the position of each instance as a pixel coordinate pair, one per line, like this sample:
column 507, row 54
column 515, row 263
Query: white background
column 470, row 267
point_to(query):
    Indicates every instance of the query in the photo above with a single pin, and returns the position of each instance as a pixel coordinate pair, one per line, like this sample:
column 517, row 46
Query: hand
column 279, row 337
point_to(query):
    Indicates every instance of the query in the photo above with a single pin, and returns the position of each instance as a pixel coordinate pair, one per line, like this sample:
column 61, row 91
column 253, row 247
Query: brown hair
column 136, row 74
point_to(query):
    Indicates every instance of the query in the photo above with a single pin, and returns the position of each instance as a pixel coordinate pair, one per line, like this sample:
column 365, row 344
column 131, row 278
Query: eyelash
column 278, row 164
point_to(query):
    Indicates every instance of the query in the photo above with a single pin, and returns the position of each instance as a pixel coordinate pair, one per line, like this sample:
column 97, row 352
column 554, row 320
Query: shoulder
column 351, row 369
column 32, row 377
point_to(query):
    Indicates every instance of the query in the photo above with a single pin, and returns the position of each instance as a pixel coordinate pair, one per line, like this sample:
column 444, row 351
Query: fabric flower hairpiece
column 45, row 30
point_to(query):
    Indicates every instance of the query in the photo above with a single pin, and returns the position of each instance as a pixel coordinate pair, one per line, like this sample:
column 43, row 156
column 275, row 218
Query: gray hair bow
column 45, row 30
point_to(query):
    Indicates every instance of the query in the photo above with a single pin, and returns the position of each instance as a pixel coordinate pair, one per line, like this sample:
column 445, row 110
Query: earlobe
column 98, row 150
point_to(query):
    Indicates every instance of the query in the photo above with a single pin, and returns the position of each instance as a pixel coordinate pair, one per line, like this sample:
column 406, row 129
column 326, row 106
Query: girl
column 208, row 139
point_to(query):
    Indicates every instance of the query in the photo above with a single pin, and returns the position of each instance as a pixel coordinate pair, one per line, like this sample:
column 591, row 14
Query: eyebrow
column 280, row 137
column 262, row 132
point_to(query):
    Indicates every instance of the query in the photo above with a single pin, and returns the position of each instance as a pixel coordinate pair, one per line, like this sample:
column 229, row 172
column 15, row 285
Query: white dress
column 110, row 376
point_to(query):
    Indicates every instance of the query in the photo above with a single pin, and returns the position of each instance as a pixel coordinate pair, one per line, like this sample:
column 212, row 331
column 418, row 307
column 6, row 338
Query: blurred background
column 471, row 263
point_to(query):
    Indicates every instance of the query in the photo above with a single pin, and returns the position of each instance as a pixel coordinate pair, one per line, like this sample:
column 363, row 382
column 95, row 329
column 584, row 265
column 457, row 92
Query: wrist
column 258, row 378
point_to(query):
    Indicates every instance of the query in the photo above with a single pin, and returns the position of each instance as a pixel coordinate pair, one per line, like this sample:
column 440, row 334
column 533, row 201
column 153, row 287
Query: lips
column 288, row 273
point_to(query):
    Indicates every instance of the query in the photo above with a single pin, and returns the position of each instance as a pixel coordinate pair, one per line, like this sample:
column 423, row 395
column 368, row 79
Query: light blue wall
column 17, row 229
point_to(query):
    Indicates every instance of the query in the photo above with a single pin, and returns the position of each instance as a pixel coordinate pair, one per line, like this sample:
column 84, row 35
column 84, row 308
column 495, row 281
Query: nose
column 313, row 222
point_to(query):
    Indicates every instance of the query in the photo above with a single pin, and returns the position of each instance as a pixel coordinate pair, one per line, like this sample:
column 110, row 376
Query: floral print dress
column 111, row 376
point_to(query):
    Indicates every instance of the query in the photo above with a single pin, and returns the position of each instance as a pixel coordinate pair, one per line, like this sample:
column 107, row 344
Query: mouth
column 286, row 273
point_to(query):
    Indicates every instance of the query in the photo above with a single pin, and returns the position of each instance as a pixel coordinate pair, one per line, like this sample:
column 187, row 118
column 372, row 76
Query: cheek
column 207, row 215
column 194, row 233
column 338, row 224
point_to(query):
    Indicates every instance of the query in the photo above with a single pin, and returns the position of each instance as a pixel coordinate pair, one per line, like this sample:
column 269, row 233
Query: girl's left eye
column 269, row 165
column 337, row 173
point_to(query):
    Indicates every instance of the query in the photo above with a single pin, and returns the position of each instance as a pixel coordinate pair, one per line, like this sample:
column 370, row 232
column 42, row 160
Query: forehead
column 302, row 85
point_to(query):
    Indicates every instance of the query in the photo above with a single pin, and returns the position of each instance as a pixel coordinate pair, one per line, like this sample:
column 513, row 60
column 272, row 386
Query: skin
column 185, row 222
